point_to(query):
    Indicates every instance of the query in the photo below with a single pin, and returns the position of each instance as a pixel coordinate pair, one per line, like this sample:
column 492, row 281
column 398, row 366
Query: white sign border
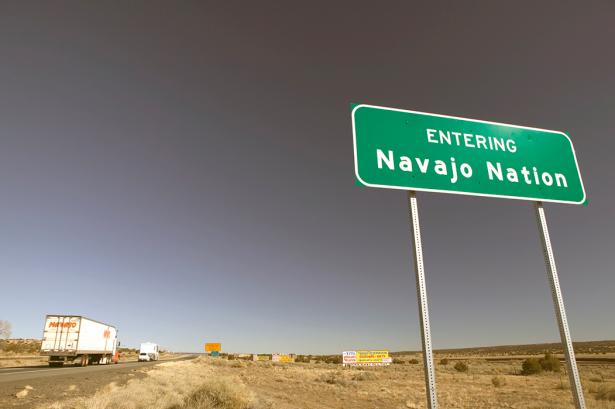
column 356, row 162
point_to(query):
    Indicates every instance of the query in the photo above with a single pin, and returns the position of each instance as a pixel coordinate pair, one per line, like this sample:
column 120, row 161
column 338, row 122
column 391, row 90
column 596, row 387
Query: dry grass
column 172, row 385
column 20, row 352
column 207, row 383
column 19, row 346
column 333, row 378
column 8, row 362
column 364, row 376
column 498, row 381
column 606, row 392
column 219, row 393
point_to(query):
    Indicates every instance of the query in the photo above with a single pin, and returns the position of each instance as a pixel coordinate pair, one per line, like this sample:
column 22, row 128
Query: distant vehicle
column 73, row 339
column 149, row 352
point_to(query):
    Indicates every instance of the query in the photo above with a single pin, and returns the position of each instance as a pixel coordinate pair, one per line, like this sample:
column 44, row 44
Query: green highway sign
column 409, row 150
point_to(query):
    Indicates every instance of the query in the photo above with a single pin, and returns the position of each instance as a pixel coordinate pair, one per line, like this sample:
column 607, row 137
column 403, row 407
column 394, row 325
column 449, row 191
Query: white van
column 149, row 352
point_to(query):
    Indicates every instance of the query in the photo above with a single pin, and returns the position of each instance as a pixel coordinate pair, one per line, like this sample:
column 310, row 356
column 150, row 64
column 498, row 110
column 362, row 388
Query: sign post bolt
column 560, row 311
column 421, row 291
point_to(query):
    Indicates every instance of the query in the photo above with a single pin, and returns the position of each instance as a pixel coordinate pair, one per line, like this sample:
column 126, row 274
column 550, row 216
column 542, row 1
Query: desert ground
column 490, row 377
column 219, row 383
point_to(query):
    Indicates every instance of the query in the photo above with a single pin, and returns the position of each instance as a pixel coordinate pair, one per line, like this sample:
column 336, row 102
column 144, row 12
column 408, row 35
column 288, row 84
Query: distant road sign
column 283, row 358
column 349, row 357
column 369, row 358
column 213, row 346
column 408, row 150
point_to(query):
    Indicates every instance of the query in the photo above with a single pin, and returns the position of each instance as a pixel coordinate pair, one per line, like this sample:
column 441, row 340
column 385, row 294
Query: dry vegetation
column 20, row 352
column 19, row 346
column 596, row 349
column 172, row 385
column 208, row 383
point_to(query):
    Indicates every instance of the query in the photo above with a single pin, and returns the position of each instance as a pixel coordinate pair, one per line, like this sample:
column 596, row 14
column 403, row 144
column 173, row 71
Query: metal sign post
column 421, row 292
column 560, row 312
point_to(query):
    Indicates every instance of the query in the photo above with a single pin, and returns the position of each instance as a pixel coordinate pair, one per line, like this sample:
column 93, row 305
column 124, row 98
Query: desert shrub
column 303, row 358
column 333, row 378
column 498, row 381
column 461, row 367
column 9, row 347
column 219, row 394
column 364, row 376
column 550, row 363
column 216, row 362
column 444, row 361
column 336, row 359
column 398, row 361
column 606, row 392
column 531, row 366
column 413, row 361
column 20, row 347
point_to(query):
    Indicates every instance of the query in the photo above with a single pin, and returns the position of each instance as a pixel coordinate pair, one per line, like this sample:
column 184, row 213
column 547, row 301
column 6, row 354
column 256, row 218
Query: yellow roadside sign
column 283, row 358
column 371, row 356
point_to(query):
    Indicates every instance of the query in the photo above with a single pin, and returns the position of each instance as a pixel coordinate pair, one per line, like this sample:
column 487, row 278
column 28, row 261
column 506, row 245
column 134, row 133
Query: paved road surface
column 33, row 372
column 52, row 384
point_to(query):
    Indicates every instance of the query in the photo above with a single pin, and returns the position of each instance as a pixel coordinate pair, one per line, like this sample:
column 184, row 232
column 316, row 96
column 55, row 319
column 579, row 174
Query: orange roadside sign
column 213, row 346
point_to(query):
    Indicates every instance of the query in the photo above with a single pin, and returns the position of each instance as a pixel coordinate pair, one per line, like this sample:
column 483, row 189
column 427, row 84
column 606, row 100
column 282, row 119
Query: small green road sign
column 408, row 150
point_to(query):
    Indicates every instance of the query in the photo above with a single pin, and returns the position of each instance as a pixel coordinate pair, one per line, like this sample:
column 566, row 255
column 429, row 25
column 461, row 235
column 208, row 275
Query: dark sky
column 185, row 171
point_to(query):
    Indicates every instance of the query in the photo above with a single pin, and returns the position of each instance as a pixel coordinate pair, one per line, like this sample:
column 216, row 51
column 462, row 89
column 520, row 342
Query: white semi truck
column 73, row 339
column 149, row 352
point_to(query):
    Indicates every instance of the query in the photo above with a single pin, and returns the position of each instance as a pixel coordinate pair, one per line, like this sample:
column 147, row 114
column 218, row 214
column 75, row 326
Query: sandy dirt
column 402, row 386
column 46, row 390
column 265, row 385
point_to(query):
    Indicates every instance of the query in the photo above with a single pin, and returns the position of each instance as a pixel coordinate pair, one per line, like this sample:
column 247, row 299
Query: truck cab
column 149, row 351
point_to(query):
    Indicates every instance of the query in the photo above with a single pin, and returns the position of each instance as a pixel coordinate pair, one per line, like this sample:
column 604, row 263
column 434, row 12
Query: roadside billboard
column 349, row 358
column 283, row 358
column 366, row 358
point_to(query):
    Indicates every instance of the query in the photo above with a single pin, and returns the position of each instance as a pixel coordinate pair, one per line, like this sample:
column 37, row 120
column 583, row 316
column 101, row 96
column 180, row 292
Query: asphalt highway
column 36, row 372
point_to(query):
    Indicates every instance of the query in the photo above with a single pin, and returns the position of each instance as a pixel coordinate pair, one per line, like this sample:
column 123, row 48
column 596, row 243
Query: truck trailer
column 73, row 339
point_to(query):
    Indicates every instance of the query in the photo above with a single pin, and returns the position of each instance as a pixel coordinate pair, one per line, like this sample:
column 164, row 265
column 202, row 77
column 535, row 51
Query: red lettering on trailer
column 62, row 324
